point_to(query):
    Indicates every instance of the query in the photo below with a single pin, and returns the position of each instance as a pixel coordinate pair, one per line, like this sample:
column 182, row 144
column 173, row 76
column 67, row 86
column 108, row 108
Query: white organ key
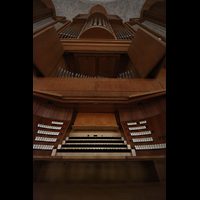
column 149, row 147
column 137, row 128
column 47, row 132
column 59, row 123
column 117, row 144
column 45, row 139
column 132, row 123
column 143, row 122
column 93, row 148
column 43, row 147
column 149, row 139
column 49, row 127
column 140, row 133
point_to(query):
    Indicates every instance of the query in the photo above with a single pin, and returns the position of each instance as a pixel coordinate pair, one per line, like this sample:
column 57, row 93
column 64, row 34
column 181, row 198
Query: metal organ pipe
column 132, row 35
column 91, row 22
column 100, row 21
column 69, row 32
column 107, row 26
column 95, row 21
column 73, row 33
column 62, row 34
column 121, row 37
column 125, row 34
column 103, row 22
column 87, row 25
column 128, row 33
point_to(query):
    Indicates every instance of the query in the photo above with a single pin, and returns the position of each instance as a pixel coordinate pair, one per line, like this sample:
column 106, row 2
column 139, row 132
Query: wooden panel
column 44, row 110
column 146, row 51
column 151, row 109
column 97, row 64
column 62, row 90
column 38, row 5
column 47, row 50
column 94, row 121
column 50, row 111
column 84, row 172
column 42, row 13
column 159, row 6
column 162, row 103
column 147, row 109
column 96, row 46
column 137, row 113
column 98, row 7
column 36, row 104
column 118, row 190
column 147, row 5
column 124, row 115
column 154, row 15
column 87, row 65
column 107, row 66
column 59, row 113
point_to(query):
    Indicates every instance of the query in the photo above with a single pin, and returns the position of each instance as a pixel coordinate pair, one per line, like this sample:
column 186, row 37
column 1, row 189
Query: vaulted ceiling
column 125, row 9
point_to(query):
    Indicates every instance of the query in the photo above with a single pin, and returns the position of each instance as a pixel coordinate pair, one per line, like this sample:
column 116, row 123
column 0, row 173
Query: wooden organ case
column 99, row 86
column 99, row 102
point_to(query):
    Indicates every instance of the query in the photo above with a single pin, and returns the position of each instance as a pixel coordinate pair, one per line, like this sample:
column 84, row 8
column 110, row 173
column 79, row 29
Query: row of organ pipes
column 97, row 21
column 44, row 22
column 63, row 73
column 128, row 74
column 124, row 34
column 157, row 28
column 69, row 32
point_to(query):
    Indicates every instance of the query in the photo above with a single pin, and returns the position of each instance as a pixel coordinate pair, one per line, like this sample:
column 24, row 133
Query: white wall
column 125, row 9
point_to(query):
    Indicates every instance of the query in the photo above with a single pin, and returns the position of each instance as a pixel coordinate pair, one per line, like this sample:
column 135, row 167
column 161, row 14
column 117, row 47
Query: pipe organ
column 99, row 97
column 99, row 93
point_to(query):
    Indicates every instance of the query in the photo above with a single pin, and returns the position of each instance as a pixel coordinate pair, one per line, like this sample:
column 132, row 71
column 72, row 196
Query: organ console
column 97, row 134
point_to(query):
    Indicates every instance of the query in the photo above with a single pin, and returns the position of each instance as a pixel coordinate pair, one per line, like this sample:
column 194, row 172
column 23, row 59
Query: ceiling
column 125, row 9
